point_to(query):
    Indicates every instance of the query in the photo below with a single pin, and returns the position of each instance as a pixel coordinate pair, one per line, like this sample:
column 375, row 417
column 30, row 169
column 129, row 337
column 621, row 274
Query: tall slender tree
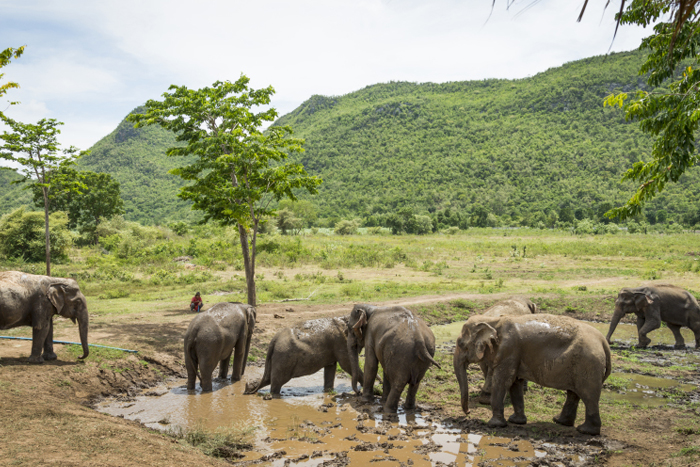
column 36, row 149
column 238, row 170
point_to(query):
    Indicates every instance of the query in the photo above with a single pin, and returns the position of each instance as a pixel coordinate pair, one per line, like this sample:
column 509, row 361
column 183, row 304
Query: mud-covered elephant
column 514, row 306
column 304, row 350
column 211, row 339
column 31, row 300
column 553, row 351
column 398, row 340
column 674, row 306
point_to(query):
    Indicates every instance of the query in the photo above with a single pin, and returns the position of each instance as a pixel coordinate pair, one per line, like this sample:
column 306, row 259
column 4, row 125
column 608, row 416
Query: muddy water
column 312, row 428
column 625, row 333
column 645, row 390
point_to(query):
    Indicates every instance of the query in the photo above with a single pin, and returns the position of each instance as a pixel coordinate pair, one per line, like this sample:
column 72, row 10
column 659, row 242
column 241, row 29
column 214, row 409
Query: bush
column 345, row 228
column 585, row 227
column 179, row 227
column 423, row 225
column 22, row 235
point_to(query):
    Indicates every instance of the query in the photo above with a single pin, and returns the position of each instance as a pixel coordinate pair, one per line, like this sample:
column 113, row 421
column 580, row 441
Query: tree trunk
column 249, row 265
column 44, row 190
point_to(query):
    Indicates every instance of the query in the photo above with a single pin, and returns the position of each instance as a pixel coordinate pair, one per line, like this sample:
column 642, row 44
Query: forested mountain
column 538, row 149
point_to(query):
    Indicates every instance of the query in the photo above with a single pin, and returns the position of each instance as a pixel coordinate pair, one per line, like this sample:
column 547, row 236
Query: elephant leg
column 650, row 323
column 386, row 389
column 38, row 340
column 371, row 368
column 223, row 367
column 238, row 359
column 518, row 401
column 410, row 403
column 48, row 345
column 676, row 330
column 392, row 401
column 206, row 369
column 329, row 377
column 500, row 381
column 567, row 417
column 592, row 424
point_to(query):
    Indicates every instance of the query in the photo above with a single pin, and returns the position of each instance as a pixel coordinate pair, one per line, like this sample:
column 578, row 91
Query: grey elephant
column 398, row 340
column 211, row 339
column 553, row 351
column 674, row 306
column 514, row 306
column 31, row 300
column 304, row 350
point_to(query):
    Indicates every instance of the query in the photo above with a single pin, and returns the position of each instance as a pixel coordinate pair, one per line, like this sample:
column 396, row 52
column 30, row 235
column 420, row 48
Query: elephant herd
column 511, row 342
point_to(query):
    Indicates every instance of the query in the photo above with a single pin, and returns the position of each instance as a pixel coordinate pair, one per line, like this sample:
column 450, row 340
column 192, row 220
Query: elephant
column 553, row 351
column 212, row 337
column 674, row 306
column 398, row 340
column 303, row 350
column 33, row 300
column 514, row 306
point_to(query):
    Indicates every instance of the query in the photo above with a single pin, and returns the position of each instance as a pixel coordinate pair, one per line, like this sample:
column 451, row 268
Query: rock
column 289, row 309
column 279, row 316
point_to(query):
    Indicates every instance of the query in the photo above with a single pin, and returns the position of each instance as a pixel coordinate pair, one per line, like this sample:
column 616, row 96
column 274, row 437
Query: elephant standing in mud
column 553, row 351
column 514, row 306
column 31, row 300
column 304, row 350
column 398, row 340
column 212, row 337
column 674, row 306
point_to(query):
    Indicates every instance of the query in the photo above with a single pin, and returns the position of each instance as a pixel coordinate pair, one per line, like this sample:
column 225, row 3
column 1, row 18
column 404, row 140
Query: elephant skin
column 674, row 306
column 304, row 350
column 514, row 306
column 211, row 339
column 553, row 351
column 31, row 300
column 398, row 340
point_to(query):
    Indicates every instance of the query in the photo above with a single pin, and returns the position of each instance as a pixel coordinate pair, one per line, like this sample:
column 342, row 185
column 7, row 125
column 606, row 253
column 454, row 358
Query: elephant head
column 640, row 300
column 251, row 316
column 70, row 302
column 478, row 341
column 357, row 329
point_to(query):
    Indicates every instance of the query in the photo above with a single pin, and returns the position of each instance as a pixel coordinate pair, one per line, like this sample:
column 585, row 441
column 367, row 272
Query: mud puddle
column 644, row 390
column 309, row 428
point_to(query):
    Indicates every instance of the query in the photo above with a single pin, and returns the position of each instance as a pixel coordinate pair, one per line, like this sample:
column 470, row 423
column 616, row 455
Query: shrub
column 423, row 225
column 179, row 227
column 22, row 235
column 345, row 227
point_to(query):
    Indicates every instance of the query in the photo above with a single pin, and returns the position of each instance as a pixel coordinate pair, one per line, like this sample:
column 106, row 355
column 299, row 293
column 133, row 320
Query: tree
column 237, row 170
column 40, row 160
column 287, row 222
column 5, row 57
column 670, row 111
column 87, row 207
column 22, row 235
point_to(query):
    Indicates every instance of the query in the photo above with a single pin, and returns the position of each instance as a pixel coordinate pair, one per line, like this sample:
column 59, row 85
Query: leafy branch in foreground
column 5, row 57
column 238, row 170
column 670, row 112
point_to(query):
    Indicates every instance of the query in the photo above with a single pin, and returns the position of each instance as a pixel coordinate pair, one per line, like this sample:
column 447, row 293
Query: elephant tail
column 608, row 363
column 425, row 356
column 192, row 363
column 252, row 388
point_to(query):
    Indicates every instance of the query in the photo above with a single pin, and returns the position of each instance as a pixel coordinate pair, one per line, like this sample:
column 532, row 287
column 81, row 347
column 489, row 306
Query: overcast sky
column 89, row 63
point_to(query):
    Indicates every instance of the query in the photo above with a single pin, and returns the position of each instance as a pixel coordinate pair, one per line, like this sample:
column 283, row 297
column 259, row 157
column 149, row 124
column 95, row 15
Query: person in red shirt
column 197, row 303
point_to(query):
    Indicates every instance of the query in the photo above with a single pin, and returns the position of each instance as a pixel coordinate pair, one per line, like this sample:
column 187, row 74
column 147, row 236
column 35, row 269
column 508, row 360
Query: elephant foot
column 234, row 380
column 518, row 419
column 34, row 359
column 484, row 399
column 588, row 429
column 409, row 406
column 497, row 422
column 679, row 346
column 49, row 356
column 562, row 420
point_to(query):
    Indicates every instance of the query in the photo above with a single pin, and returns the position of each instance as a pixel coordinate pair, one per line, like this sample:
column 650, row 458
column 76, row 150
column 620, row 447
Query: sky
column 89, row 63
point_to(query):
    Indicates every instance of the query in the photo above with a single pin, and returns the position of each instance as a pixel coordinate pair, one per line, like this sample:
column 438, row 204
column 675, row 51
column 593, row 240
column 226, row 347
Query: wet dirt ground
column 306, row 427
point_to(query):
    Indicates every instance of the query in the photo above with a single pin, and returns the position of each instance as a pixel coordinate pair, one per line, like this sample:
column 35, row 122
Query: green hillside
column 525, row 151
column 520, row 148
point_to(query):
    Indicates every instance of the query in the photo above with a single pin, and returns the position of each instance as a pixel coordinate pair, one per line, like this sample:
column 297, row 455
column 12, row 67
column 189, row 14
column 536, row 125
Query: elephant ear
column 361, row 321
column 484, row 336
column 643, row 298
column 57, row 297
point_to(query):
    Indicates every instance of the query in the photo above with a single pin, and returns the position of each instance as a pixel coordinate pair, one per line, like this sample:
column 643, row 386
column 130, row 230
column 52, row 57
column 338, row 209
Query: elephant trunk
column 617, row 316
column 82, row 319
column 353, row 352
column 460, row 366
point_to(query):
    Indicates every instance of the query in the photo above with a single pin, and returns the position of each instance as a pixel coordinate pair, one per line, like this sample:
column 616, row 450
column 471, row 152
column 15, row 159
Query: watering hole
column 306, row 427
